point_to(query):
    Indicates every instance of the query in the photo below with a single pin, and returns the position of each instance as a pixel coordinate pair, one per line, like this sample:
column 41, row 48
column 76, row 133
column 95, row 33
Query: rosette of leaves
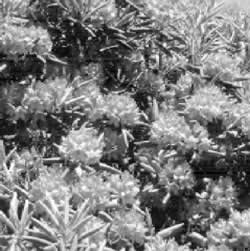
column 158, row 244
column 203, row 142
column 125, row 188
column 128, row 225
column 66, row 228
column 208, row 104
column 49, row 182
column 172, row 178
column 222, row 194
column 20, row 40
column 37, row 100
column 118, row 110
column 170, row 129
column 83, row 145
column 94, row 189
column 183, row 86
column 221, row 65
column 118, row 189
column 47, row 96
column 11, row 96
column 234, row 232
column 176, row 177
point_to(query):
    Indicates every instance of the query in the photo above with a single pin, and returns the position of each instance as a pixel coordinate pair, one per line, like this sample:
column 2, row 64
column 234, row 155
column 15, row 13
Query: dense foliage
column 124, row 125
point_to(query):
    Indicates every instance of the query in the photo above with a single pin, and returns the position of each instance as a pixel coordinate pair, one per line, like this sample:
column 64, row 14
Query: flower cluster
column 235, row 232
column 223, row 194
column 172, row 129
column 99, row 191
column 184, row 85
column 43, row 97
column 221, row 65
column 83, row 145
column 158, row 244
column 176, row 176
column 129, row 225
column 49, row 182
column 38, row 100
column 117, row 109
column 208, row 104
column 10, row 96
column 124, row 187
column 94, row 189
column 200, row 133
column 16, row 40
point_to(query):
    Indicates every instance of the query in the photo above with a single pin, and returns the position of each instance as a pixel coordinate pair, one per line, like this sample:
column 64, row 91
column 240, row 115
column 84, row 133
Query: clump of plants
column 124, row 125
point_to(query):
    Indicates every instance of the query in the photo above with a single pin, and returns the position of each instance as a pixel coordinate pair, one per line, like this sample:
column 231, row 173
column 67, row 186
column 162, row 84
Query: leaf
column 4, row 219
column 81, row 213
column 36, row 241
column 86, row 17
column 170, row 231
column 103, row 166
column 45, row 228
column 91, row 232
column 13, row 211
column 198, row 239
column 26, row 216
column 81, row 223
column 3, row 67
column 105, row 217
column 74, row 245
column 2, row 153
column 62, row 245
column 155, row 110
column 50, row 213
column 66, row 211
column 126, row 19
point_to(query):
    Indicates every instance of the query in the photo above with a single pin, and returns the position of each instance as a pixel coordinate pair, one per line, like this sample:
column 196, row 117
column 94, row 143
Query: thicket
column 124, row 125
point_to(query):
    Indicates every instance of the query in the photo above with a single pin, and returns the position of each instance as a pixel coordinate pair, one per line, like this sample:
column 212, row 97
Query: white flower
column 23, row 40
column 208, row 104
column 83, row 145
column 118, row 109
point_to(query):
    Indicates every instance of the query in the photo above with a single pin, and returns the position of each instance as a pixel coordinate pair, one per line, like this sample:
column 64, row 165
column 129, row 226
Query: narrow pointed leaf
column 25, row 215
column 45, row 228
column 74, row 245
column 91, row 232
column 13, row 210
column 80, row 213
column 37, row 241
column 50, row 213
column 81, row 223
column 4, row 219
column 170, row 231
